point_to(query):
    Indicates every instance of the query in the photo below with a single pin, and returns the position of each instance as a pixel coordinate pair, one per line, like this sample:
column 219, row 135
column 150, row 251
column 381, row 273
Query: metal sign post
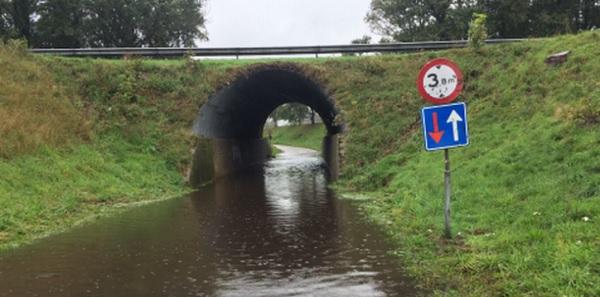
column 447, row 191
column 444, row 126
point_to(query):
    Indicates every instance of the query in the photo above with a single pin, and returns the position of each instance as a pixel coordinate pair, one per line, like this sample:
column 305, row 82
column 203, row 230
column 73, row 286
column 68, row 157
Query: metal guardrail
column 261, row 51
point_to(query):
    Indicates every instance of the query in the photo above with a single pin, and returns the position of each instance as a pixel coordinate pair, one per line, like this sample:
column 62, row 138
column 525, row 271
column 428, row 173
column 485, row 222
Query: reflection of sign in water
column 440, row 81
column 445, row 126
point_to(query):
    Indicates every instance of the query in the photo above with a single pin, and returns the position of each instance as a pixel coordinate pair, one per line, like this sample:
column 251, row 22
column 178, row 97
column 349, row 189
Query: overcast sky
column 242, row 23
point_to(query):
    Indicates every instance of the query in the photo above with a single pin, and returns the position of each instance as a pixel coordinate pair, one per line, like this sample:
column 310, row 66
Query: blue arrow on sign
column 445, row 126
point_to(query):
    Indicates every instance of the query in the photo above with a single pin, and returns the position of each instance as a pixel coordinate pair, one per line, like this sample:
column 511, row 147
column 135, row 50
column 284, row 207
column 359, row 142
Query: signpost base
column 447, row 189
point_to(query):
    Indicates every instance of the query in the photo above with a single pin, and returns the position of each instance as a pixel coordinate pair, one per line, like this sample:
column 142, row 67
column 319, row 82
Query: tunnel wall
column 231, row 123
column 216, row 158
column 202, row 169
column 240, row 109
column 237, row 155
column 330, row 151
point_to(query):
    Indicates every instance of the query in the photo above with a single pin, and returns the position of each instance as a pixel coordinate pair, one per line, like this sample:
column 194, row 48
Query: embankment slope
column 526, row 191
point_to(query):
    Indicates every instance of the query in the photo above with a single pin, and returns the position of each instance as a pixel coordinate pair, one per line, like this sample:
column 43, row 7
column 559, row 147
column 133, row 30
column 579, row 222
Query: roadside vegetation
column 34, row 111
column 94, row 134
column 81, row 136
column 306, row 136
column 527, row 189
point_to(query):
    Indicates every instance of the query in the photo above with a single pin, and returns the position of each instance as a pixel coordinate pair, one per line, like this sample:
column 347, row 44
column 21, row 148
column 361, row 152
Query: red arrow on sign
column 436, row 134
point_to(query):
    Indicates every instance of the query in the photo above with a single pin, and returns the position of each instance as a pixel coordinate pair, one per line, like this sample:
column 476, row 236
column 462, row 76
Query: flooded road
column 280, row 232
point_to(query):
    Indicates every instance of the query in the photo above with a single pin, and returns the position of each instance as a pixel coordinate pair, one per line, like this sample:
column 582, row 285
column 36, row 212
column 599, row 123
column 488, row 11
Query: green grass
column 92, row 135
column 51, row 190
column 306, row 136
column 526, row 191
column 34, row 110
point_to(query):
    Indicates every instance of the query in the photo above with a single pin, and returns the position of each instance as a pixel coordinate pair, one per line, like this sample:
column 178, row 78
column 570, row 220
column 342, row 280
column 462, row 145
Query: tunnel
column 230, row 124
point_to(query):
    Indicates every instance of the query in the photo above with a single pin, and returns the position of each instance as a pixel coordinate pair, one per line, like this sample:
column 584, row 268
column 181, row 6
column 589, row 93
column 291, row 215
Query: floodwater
column 277, row 232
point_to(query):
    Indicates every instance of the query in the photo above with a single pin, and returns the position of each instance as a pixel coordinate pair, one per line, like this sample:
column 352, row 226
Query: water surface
column 275, row 232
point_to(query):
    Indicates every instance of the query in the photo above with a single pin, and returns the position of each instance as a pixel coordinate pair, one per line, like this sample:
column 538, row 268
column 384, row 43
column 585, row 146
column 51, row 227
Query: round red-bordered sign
column 440, row 81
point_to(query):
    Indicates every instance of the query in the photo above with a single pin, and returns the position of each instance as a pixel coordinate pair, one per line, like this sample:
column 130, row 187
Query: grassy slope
column 53, row 189
column 522, row 189
column 34, row 111
column 81, row 136
column 307, row 136
column 526, row 191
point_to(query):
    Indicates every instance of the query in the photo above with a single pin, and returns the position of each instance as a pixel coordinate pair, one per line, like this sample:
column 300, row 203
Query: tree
column 171, row 22
column 409, row 20
column 590, row 14
column 507, row 18
column 293, row 112
column 406, row 20
column 22, row 12
column 103, row 23
column 113, row 23
column 6, row 27
column 549, row 17
column 366, row 39
column 190, row 22
column 60, row 24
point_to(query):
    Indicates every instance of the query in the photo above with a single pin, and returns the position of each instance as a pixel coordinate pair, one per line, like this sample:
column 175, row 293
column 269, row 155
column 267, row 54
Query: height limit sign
column 440, row 81
column 444, row 125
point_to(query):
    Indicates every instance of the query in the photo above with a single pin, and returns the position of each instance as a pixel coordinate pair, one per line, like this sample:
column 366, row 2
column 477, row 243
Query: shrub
column 478, row 30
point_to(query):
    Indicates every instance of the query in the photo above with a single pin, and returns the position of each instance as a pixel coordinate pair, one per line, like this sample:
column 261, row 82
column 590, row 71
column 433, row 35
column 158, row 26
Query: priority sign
column 445, row 126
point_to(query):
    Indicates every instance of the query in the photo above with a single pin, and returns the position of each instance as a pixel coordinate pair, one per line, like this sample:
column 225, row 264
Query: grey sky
column 233, row 23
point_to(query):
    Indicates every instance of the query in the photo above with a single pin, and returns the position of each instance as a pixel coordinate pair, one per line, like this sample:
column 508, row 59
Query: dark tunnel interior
column 240, row 110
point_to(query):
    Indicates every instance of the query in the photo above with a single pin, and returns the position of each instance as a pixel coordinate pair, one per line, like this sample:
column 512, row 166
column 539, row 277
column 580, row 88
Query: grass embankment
column 306, row 136
column 79, row 137
column 54, row 189
column 526, row 191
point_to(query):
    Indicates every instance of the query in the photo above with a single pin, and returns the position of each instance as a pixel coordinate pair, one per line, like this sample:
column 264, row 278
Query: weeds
column 34, row 110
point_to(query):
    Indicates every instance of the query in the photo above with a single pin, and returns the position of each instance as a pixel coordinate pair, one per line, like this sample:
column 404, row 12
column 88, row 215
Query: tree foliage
column 103, row 23
column 21, row 12
column 409, row 20
column 293, row 112
column 6, row 25
column 60, row 24
column 478, row 30
column 366, row 39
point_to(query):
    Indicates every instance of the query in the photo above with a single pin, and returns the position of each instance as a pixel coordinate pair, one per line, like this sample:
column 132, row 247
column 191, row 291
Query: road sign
column 445, row 126
column 440, row 81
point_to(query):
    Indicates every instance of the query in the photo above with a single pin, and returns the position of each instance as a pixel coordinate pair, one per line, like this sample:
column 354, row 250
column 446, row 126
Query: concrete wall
column 217, row 158
column 331, row 154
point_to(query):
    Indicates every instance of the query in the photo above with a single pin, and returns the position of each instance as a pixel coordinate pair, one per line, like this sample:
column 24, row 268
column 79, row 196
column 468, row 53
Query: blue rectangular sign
column 445, row 126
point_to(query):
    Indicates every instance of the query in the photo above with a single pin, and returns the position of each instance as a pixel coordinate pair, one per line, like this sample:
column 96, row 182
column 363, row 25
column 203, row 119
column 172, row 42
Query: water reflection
column 278, row 232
